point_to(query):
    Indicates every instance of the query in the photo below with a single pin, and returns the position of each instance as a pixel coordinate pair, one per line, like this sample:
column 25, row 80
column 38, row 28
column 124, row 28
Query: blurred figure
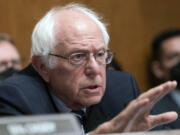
column 9, row 57
column 114, row 65
column 165, row 65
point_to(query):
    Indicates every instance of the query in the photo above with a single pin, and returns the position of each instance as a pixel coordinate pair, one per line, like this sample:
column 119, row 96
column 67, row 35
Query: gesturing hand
column 136, row 116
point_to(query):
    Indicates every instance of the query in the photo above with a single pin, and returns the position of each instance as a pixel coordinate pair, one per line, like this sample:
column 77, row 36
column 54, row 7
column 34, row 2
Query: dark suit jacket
column 25, row 93
column 168, row 104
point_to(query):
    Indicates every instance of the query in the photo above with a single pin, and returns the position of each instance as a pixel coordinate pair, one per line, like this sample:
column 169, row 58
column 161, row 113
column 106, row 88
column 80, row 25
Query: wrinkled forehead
column 73, row 27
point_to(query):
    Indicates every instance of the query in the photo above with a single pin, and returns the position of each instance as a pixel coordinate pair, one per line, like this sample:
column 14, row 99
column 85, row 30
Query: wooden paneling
column 132, row 25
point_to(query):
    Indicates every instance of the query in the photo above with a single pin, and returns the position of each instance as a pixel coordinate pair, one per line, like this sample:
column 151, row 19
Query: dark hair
column 6, row 37
column 159, row 39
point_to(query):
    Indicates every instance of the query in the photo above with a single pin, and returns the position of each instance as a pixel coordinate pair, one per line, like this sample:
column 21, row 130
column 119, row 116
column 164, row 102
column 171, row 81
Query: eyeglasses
column 102, row 57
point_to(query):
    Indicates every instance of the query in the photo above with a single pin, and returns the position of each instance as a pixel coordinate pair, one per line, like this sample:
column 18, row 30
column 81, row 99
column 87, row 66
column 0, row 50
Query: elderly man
column 68, row 73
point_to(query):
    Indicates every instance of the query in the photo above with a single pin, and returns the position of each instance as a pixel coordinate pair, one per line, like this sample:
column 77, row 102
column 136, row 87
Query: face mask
column 7, row 73
column 175, row 74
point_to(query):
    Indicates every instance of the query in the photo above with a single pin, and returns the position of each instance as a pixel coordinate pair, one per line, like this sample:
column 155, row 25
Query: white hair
column 43, row 38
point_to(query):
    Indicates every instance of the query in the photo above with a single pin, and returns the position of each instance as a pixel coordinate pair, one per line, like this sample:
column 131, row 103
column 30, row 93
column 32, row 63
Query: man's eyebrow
column 76, row 50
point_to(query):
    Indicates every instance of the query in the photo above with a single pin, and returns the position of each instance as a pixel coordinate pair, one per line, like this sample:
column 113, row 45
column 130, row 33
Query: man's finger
column 163, row 118
column 132, row 109
column 158, row 92
column 166, row 88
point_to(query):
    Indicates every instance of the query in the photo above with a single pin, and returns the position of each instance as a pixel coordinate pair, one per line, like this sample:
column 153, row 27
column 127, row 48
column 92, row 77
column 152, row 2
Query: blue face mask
column 7, row 73
column 175, row 74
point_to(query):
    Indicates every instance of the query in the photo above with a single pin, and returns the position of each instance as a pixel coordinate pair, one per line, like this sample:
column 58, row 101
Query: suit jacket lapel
column 95, row 115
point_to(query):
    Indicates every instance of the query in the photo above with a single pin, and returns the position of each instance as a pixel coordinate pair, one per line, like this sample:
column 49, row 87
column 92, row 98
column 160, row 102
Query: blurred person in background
column 164, row 66
column 9, row 57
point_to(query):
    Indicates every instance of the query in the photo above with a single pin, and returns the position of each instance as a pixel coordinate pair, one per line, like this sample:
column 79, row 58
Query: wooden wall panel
column 132, row 25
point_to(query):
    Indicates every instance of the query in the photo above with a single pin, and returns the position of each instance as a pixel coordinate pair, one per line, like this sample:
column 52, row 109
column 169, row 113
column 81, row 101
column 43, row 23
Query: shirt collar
column 59, row 104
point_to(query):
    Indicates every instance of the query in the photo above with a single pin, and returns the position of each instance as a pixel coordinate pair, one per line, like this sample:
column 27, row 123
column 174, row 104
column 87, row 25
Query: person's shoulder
column 25, row 81
column 121, row 88
column 23, row 77
column 121, row 84
column 26, row 91
column 110, row 73
column 113, row 75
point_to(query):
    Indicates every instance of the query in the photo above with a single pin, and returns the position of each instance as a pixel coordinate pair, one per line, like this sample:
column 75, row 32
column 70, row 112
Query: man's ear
column 40, row 67
column 157, row 70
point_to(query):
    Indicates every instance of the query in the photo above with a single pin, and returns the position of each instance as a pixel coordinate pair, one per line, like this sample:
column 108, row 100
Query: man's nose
column 92, row 67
